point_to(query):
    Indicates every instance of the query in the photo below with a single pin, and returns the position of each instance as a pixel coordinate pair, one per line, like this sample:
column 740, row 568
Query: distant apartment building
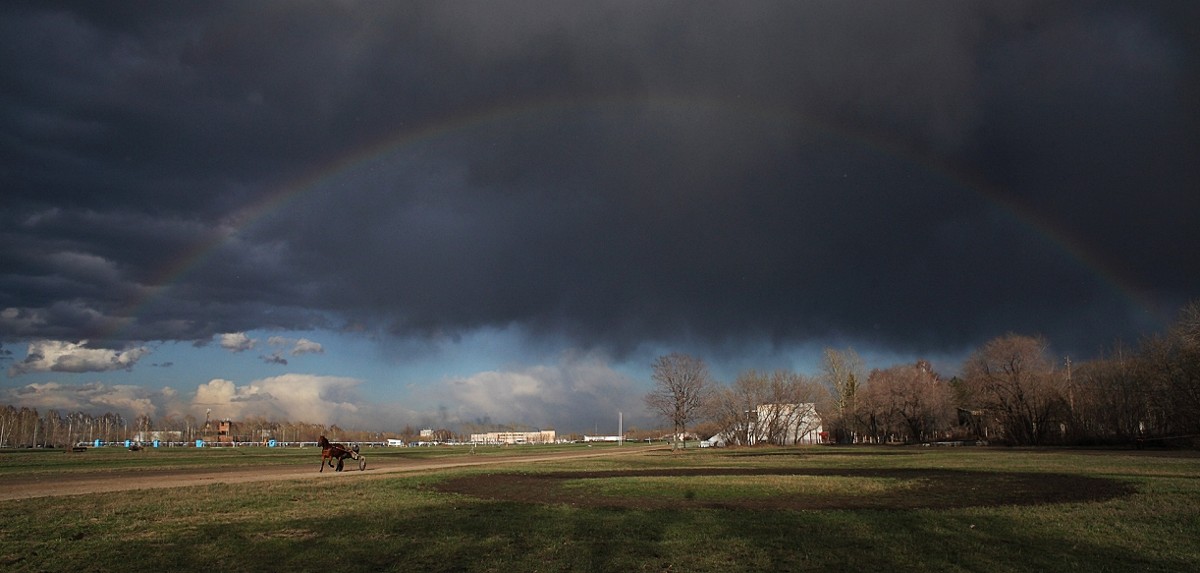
column 536, row 437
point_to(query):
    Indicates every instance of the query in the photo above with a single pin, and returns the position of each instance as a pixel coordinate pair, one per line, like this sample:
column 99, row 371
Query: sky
column 444, row 214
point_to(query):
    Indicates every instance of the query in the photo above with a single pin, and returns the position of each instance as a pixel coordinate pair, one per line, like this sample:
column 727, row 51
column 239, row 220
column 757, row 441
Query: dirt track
column 49, row 486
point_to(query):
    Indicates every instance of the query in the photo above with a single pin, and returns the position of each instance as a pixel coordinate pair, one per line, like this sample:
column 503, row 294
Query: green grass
column 119, row 459
column 404, row 523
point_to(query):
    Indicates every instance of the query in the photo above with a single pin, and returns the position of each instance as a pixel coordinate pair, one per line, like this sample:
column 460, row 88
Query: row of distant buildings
column 772, row 423
column 498, row 438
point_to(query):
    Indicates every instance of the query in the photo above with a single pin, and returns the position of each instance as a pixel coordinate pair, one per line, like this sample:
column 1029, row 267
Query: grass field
column 778, row 509
column 118, row 460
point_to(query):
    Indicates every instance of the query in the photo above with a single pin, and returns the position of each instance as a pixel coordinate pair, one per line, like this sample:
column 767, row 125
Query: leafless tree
column 774, row 408
column 1110, row 401
column 732, row 407
column 908, row 401
column 1014, row 379
column 1170, row 365
column 788, row 413
column 842, row 372
column 682, row 388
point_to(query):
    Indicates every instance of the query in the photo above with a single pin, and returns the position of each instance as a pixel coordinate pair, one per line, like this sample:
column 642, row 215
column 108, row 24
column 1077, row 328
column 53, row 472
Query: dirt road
column 17, row 487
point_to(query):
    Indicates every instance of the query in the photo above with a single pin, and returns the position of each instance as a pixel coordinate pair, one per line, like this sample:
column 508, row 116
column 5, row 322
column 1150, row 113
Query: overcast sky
column 387, row 213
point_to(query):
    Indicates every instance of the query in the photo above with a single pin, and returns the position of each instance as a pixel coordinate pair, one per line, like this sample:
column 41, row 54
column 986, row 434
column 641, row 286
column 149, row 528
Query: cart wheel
column 362, row 464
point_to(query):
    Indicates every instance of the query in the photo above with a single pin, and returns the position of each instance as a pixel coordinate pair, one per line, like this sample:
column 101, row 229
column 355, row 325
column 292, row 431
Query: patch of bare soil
column 927, row 488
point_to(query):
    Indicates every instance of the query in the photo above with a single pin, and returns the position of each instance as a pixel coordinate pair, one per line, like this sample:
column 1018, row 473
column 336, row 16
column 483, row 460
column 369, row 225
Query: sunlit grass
column 119, row 459
column 401, row 523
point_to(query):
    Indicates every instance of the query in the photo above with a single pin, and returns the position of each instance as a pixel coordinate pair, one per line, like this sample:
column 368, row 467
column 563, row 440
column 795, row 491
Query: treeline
column 25, row 427
column 1011, row 390
column 1014, row 390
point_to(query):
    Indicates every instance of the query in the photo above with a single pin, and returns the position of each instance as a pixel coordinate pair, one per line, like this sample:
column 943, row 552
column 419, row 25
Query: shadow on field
column 915, row 489
column 810, row 453
column 517, row 522
column 516, row 536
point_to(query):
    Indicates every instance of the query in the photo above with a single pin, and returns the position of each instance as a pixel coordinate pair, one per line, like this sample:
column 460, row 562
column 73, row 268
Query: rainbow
column 355, row 158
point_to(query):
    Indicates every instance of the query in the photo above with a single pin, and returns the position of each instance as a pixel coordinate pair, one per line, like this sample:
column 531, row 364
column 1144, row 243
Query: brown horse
column 334, row 451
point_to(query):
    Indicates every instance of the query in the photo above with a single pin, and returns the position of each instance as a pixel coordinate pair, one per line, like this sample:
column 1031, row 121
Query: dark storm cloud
column 915, row 176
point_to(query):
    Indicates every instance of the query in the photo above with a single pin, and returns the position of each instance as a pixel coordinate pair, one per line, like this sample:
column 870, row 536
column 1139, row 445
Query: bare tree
column 787, row 415
column 908, row 401
column 682, row 387
column 842, row 372
column 776, row 408
column 1014, row 379
column 1171, row 368
column 732, row 407
column 143, row 424
column 8, row 420
column 1112, row 401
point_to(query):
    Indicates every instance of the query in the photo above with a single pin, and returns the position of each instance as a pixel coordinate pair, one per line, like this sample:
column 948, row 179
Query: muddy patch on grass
column 915, row 489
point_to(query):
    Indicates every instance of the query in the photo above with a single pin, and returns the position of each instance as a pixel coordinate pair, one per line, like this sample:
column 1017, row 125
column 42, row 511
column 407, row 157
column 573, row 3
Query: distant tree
column 907, row 401
column 1014, row 379
column 842, row 372
column 682, row 388
column 142, row 425
column 8, row 417
column 52, row 425
column 27, row 426
column 1187, row 326
column 190, row 424
column 169, row 423
column 1109, row 400
column 789, row 413
column 1171, row 367
column 731, row 408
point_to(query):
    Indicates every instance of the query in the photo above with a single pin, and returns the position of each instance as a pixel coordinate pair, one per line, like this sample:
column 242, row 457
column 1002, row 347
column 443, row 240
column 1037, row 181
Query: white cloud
column 236, row 341
column 62, row 356
column 293, row 397
column 129, row 401
column 306, row 346
column 326, row 400
column 579, row 392
column 299, row 346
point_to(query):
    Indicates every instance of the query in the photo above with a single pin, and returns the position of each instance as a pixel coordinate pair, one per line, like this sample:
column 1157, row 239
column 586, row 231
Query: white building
column 781, row 424
column 588, row 438
column 536, row 437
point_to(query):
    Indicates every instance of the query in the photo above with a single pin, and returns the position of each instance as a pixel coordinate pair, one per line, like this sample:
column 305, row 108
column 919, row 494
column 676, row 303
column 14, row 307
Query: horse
column 334, row 451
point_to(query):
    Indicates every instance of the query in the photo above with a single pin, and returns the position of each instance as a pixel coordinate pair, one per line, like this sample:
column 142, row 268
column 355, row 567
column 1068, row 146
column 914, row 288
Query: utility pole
column 1070, row 387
